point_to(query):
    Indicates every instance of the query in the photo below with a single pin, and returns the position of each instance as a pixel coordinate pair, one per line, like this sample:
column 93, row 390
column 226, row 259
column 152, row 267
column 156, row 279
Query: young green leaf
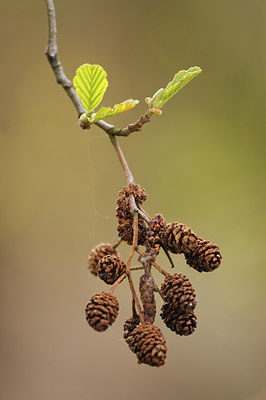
column 90, row 83
column 105, row 112
column 179, row 80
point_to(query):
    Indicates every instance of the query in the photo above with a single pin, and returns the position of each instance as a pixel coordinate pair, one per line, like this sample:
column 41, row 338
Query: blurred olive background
column 201, row 162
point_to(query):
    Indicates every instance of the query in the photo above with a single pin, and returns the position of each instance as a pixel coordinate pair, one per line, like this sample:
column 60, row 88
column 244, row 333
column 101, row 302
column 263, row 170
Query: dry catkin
column 146, row 289
column 124, row 215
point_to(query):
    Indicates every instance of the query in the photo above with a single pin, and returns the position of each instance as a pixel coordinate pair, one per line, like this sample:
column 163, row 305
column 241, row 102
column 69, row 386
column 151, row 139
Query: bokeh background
column 202, row 163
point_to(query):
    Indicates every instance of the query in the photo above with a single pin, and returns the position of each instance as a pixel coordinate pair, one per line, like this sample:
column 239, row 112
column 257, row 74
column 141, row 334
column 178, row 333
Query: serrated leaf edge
column 163, row 95
column 83, row 85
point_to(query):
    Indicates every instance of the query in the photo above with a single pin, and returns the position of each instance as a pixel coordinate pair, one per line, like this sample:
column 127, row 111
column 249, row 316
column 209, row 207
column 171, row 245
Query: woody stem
column 158, row 290
column 131, row 254
column 168, row 256
column 129, row 177
column 117, row 243
column 160, row 269
column 122, row 159
column 119, row 280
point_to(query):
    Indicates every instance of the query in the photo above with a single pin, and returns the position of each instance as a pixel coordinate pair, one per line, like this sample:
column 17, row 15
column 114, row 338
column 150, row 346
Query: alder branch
column 136, row 127
column 122, row 159
column 119, row 241
column 158, row 290
column 117, row 282
column 160, row 269
column 131, row 254
column 52, row 56
column 168, row 256
column 129, row 178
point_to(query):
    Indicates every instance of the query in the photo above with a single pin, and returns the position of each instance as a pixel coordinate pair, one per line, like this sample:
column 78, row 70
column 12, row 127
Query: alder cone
column 124, row 216
column 181, row 323
column 125, row 226
column 149, row 345
column 205, row 258
column 200, row 254
column 101, row 311
column 146, row 288
column 129, row 326
column 179, row 238
column 179, row 292
column 155, row 231
column 110, row 268
column 101, row 250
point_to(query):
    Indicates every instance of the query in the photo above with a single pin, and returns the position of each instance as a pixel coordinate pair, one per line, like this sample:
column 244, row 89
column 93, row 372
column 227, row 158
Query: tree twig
column 129, row 177
column 134, row 312
column 147, row 217
column 136, row 127
column 136, row 268
column 158, row 290
column 169, row 257
column 61, row 78
column 121, row 157
column 52, row 55
column 160, row 269
column 119, row 280
column 133, row 249
column 117, row 243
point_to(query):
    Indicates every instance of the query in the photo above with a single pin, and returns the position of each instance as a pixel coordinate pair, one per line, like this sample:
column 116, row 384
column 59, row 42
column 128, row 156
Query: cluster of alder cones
column 143, row 337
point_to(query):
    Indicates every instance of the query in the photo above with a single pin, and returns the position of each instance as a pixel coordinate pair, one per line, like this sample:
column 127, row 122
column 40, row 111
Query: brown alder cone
column 179, row 238
column 200, row 254
column 124, row 216
column 110, row 268
column 155, row 231
column 178, row 291
column 149, row 345
column 146, row 288
column 206, row 257
column 129, row 326
column 101, row 250
column 182, row 324
column 125, row 226
column 101, row 311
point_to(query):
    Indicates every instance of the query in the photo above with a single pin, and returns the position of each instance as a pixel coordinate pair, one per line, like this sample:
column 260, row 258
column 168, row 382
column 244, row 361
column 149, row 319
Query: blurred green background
column 202, row 163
